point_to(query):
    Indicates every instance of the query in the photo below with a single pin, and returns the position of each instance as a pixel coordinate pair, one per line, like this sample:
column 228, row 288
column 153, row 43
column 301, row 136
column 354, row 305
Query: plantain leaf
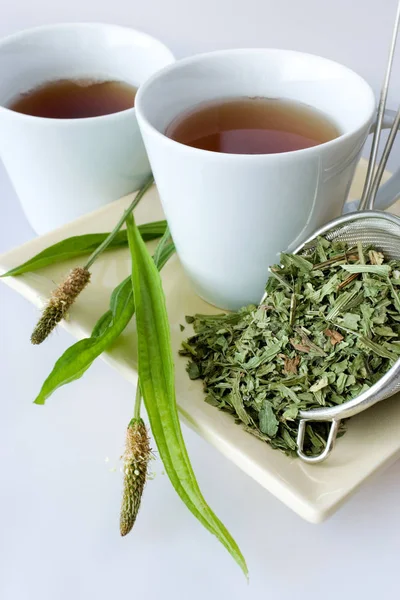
column 77, row 359
column 157, row 384
column 84, row 244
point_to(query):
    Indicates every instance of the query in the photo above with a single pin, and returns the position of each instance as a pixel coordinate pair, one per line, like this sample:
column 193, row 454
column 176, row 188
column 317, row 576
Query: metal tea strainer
column 382, row 230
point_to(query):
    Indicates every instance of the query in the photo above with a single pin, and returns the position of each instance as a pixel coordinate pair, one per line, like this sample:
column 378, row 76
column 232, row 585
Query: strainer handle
column 330, row 442
column 389, row 192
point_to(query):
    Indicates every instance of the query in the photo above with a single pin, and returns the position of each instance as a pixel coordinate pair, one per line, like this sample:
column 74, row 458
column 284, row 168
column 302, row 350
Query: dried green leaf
column 290, row 414
column 236, row 400
column 350, row 321
column 193, row 370
column 268, row 422
column 382, row 270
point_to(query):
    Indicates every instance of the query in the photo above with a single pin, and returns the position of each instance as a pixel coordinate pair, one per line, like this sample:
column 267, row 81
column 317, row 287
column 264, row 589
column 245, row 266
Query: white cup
column 230, row 214
column 63, row 168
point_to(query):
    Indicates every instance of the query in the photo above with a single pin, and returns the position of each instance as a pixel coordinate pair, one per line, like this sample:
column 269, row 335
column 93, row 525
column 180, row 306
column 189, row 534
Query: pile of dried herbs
column 327, row 329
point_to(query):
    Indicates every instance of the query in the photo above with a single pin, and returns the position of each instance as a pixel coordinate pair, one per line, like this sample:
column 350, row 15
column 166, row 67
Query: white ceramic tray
column 313, row 491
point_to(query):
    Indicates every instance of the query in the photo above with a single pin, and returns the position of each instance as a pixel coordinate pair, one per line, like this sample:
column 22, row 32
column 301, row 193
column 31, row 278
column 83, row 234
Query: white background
column 59, row 498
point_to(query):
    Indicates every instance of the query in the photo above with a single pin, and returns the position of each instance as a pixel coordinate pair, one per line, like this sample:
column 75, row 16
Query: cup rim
column 79, row 25
column 144, row 121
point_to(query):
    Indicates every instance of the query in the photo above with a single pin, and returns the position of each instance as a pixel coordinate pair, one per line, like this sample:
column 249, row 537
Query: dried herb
column 328, row 328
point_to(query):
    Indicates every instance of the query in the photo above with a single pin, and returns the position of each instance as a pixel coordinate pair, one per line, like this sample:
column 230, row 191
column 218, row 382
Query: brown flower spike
column 60, row 302
column 136, row 459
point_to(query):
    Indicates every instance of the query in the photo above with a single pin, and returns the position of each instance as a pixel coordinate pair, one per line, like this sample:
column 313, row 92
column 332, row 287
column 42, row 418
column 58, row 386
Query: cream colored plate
column 314, row 492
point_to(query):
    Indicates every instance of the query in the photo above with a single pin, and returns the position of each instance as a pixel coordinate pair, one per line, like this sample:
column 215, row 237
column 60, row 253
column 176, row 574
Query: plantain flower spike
column 60, row 302
column 136, row 459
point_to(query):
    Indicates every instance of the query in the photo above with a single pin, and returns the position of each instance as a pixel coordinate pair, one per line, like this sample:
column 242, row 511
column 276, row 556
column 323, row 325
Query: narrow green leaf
column 84, row 244
column 235, row 398
column 382, row 270
column 274, row 272
column 105, row 320
column 269, row 353
column 156, row 376
column 340, row 304
column 162, row 248
column 301, row 263
column 395, row 295
column 102, row 324
column 378, row 349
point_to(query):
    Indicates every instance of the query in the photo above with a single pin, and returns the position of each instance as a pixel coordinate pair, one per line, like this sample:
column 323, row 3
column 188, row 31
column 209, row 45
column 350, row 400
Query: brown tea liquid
column 252, row 126
column 75, row 99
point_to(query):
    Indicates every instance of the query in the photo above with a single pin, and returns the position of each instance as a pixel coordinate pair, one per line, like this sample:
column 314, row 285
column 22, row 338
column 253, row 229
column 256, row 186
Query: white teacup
column 63, row 168
column 231, row 214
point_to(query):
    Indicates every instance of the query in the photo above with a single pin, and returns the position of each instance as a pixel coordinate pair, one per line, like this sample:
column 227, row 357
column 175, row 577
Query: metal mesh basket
column 382, row 230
